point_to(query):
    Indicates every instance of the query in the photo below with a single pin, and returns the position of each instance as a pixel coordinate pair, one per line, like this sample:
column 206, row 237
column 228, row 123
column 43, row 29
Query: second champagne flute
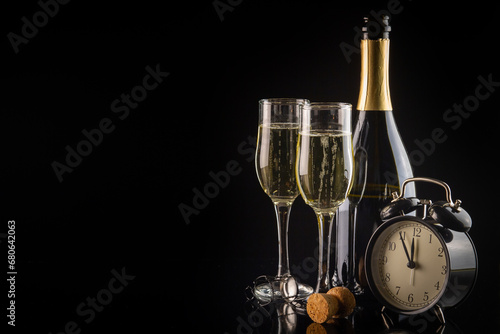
column 324, row 170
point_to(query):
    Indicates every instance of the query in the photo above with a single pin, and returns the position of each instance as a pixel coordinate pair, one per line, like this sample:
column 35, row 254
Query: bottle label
column 374, row 93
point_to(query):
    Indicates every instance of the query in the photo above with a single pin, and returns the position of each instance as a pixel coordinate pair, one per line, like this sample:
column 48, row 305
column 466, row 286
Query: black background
column 119, row 208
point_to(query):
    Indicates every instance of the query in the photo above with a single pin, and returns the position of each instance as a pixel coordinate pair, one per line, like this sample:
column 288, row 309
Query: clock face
column 407, row 265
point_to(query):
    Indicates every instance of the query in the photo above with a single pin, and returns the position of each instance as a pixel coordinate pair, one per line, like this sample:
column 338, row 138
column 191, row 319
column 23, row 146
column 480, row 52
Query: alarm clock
column 421, row 256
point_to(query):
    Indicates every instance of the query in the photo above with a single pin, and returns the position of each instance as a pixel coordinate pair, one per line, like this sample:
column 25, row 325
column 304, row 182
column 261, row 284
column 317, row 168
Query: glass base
column 284, row 288
column 352, row 285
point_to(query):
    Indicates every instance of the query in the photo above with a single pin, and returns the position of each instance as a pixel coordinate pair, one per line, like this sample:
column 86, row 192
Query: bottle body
column 381, row 166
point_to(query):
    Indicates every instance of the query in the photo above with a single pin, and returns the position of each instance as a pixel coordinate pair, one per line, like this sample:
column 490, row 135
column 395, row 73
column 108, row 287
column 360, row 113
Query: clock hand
column 411, row 264
column 406, row 251
column 412, row 250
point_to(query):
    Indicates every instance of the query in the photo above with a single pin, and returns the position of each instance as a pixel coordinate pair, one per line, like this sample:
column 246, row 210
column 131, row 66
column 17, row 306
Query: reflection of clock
column 415, row 263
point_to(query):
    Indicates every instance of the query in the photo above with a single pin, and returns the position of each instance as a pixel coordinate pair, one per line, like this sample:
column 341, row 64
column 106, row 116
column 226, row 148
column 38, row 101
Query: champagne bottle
column 381, row 162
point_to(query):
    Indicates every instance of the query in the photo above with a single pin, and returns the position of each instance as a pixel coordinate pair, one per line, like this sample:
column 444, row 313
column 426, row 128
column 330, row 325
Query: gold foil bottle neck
column 374, row 93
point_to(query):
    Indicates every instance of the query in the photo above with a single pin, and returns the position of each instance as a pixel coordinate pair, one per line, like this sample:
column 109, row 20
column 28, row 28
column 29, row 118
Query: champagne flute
column 325, row 170
column 275, row 166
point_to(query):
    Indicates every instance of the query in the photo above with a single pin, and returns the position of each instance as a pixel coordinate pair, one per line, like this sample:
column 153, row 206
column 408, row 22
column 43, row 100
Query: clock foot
column 388, row 323
column 439, row 314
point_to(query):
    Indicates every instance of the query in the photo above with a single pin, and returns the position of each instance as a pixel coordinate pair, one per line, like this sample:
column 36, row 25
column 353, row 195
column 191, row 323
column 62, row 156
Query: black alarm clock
column 416, row 262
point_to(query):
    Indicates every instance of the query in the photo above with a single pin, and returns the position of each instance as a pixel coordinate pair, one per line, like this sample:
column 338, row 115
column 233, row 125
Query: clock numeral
column 387, row 277
column 417, row 231
column 445, row 270
column 397, row 288
column 402, row 235
column 426, row 296
column 410, row 297
column 384, row 259
column 440, row 250
column 437, row 285
column 392, row 246
column 430, row 238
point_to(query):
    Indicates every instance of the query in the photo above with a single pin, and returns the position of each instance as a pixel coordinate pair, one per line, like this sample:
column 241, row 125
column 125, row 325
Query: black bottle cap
column 377, row 27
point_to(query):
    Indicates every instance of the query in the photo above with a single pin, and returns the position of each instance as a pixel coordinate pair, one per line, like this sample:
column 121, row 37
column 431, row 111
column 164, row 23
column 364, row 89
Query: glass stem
column 325, row 223
column 344, row 273
column 282, row 218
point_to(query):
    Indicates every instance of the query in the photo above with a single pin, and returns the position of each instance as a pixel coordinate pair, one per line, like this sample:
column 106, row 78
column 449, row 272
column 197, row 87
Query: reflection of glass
column 285, row 321
column 276, row 318
column 324, row 170
column 275, row 166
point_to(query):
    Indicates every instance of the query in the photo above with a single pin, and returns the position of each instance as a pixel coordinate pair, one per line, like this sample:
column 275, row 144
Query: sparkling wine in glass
column 324, row 170
column 275, row 166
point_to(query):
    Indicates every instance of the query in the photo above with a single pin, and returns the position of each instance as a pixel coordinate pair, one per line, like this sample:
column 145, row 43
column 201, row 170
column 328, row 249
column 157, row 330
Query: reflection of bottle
column 381, row 163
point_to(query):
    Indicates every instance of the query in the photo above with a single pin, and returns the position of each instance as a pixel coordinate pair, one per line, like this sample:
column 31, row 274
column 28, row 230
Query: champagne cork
column 338, row 302
column 322, row 306
column 346, row 300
